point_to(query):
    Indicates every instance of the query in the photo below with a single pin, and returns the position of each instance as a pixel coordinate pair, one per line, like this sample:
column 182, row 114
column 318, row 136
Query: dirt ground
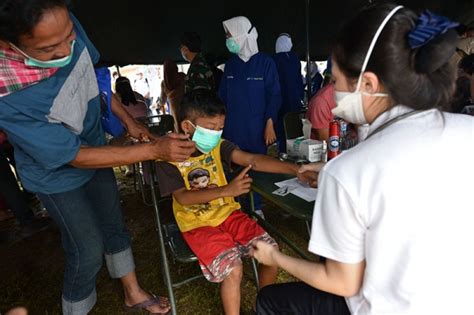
column 31, row 269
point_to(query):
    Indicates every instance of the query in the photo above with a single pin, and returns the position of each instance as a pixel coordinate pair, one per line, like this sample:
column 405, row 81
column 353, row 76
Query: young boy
column 209, row 218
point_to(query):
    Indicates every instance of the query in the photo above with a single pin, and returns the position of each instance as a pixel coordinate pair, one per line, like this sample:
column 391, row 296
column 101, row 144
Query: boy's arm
column 263, row 163
column 238, row 186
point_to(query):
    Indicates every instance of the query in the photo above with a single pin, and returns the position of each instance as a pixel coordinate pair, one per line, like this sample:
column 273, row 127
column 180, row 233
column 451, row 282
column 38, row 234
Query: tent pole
column 308, row 57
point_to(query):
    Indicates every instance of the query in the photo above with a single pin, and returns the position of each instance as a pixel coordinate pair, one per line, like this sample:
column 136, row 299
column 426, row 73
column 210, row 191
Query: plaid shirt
column 15, row 75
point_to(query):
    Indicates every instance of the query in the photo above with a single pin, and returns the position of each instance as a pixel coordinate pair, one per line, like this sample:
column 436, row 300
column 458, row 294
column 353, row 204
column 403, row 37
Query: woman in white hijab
column 250, row 89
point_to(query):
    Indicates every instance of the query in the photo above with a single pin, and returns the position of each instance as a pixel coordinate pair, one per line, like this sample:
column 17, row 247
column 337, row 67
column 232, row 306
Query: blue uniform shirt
column 291, row 81
column 49, row 121
column 292, row 90
column 251, row 92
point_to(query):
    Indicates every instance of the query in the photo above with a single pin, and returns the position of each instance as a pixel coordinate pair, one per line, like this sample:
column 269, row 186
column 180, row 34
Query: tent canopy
column 148, row 32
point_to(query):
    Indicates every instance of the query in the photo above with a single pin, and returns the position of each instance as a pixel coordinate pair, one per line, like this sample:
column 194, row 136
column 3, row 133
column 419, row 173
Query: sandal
column 139, row 307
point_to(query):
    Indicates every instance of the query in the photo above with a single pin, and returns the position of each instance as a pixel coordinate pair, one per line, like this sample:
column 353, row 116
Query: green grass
column 31, row 270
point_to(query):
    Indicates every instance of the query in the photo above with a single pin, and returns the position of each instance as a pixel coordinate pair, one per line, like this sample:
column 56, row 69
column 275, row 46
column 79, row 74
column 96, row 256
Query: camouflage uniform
column 199, row 75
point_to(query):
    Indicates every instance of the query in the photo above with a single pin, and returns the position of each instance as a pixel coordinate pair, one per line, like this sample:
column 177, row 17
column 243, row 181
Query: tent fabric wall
column 148, row 32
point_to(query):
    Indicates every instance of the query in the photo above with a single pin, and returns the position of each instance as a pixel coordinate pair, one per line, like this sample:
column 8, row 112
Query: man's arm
column 134, row 128
column 172, row 147
column 263, row 163
column 332, row 276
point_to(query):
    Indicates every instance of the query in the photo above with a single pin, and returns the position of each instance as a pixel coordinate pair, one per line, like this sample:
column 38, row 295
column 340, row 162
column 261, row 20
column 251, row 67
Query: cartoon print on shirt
column 198, row 179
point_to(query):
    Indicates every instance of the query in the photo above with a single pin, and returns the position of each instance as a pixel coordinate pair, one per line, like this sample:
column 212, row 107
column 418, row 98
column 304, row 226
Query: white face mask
column 349, row 104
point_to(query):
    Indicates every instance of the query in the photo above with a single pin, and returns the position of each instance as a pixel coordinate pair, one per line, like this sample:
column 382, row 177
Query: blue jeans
column 91, row 224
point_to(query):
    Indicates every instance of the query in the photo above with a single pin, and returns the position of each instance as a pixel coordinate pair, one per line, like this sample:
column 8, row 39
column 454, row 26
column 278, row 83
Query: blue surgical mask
column 206, row 139
column 232, row 45
column 55, row 63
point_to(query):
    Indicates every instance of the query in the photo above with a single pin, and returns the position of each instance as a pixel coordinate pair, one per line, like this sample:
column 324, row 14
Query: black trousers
column 13, row 195
column 299, row 298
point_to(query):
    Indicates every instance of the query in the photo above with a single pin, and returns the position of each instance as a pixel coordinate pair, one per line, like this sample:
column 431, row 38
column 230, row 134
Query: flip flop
column 139, row 307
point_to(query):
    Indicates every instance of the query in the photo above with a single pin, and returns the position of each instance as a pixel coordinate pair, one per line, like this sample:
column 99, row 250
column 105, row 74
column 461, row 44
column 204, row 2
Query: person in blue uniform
column 291, row 83
column 250, row 89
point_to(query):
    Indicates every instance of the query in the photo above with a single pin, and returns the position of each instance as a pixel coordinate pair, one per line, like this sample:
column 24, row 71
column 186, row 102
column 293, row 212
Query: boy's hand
column 239, row 185
column 173, row 147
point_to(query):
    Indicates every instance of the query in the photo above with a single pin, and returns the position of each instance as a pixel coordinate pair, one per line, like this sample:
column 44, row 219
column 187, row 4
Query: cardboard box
column 308, row 149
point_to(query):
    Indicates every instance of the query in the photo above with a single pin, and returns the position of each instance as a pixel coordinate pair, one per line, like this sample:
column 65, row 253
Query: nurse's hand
column 172, row 147
column 264, row 253
column 310, row 178
column 308, row 173
column 270, row 136
column 311, row 167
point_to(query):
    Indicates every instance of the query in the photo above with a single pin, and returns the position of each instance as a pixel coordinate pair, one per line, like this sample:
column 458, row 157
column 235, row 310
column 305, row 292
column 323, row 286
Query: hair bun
column 434, row 54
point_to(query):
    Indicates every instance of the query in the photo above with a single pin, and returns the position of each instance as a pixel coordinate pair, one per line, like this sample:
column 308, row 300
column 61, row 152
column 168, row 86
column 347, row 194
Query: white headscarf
column 244, row 34
column 283, row 43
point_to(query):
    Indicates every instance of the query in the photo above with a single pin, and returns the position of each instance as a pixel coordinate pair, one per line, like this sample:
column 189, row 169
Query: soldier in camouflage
column 199, row 75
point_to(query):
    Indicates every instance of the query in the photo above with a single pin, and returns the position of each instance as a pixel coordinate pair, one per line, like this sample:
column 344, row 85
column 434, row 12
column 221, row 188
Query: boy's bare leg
column 230, row 290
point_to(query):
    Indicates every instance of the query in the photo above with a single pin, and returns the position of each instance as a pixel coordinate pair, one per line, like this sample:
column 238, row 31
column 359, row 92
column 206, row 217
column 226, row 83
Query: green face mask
column 232, row 45
column 55, row 63
column 205, row 139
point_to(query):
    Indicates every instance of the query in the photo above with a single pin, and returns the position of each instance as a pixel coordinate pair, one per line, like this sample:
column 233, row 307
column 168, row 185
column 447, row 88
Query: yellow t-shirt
column 203, row 172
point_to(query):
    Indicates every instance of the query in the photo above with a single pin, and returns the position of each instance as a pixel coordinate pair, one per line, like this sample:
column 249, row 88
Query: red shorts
column 219, row 248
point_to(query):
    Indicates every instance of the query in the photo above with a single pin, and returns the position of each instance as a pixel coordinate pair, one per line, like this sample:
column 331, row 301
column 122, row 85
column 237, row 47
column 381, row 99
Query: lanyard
column 392, row 121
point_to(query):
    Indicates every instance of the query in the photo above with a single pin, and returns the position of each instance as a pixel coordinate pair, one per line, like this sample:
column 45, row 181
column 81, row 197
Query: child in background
column 203, row 202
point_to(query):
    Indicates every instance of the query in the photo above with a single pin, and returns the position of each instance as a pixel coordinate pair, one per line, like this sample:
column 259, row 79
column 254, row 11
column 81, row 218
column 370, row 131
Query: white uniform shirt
column 403, row 200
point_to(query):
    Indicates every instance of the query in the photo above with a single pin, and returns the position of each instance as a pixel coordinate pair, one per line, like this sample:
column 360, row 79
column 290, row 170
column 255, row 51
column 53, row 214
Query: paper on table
column 300, row 189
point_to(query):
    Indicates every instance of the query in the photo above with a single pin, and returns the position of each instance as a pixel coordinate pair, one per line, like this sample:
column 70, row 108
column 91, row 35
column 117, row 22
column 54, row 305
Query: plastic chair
column 159, row 125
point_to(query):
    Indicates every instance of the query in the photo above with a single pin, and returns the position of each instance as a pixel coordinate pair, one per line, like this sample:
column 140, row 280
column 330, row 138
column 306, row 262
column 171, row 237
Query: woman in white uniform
column 394, row 215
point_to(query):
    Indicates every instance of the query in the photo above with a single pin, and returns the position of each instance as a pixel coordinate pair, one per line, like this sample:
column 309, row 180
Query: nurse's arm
column 332, row 276
column 172, row 147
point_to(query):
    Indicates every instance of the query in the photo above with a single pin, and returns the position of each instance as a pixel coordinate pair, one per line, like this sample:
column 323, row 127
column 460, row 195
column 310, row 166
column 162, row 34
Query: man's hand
column 139, row 131
column 239, row 185
column 173, row 147
column 264, row 253
column 269, row 135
